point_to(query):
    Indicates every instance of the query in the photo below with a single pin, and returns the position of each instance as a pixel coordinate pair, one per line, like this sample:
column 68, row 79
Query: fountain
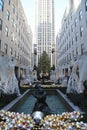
column 8, row 81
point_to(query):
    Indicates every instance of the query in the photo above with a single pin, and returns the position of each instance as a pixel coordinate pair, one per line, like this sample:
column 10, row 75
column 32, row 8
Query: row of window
column 17, row 29
column 76, row 21
column 68, row 45
column 11, row 50
column 8, row 17
column 68, row 57
column 2, row 5
column 7, row 30
column 63, row 40
column 72, row 27
column 22, row 60
column 65, row 26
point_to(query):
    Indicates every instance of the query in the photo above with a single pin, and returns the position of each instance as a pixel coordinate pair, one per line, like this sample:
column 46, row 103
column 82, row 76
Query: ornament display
column 20, row 121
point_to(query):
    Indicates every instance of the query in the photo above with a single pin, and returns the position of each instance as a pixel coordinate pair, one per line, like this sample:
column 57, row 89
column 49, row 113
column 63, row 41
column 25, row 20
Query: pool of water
column 26, row 104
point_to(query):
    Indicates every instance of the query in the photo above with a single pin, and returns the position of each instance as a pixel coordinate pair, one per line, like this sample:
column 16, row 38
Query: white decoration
column 8, row 81
column 75, row 83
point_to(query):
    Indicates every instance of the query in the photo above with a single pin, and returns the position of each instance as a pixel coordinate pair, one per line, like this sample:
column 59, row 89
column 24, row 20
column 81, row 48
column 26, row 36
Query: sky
column 29, row 9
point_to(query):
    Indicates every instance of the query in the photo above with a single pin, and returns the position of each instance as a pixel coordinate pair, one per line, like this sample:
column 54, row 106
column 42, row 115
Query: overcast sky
column 29, row 6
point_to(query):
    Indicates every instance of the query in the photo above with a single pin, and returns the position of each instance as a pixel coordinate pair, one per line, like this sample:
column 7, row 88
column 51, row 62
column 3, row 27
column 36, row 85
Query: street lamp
column 35, row 52
column 53, row 50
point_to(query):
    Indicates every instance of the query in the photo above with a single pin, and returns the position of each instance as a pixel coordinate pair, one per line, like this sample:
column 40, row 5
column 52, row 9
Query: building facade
column 72, row 40
column 15, row 35
column 44, row 28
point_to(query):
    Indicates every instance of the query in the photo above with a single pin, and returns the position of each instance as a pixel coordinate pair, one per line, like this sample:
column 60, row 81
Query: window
column 86, row 23
column 13, row 9
column 70, row 57
column 82, row 49
column 0, row 44
column 1, row 5
column 15, row 54
column 68, row 21
column 12, row 22
column 71, row 15
column 19, row 32
column 66, row 25
column 76, row 37
column 86, row 5
column 69, row 33
column 73, row 53
column 11, row 51
column 0, row 24
column 69, row 44
column 80, row 15
column 20, row 60
column 76, row 22
column 76, row 51
column 7, row 15
column 71, row 28
column 9, row 1
column 16, row 16
column 6, row 31
column 18, row 56
column 81, row 31
column 6, row 48
column 72, row 41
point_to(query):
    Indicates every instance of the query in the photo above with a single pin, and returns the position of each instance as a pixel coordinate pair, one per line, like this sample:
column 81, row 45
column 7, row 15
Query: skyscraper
column 44, row 28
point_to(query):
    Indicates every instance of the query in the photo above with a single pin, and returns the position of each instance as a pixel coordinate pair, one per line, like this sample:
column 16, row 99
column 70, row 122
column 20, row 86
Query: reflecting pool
column 54, row 101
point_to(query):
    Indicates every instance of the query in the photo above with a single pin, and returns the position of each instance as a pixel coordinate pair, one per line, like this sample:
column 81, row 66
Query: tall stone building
column 44, row 28
column 72, row 40
column 15, row 34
